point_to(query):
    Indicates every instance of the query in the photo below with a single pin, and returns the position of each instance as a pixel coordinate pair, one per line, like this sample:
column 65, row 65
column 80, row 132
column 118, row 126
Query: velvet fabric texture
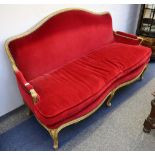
column 63, row 38
column 126, row 38
column 76, row 85
column 73, row 61
column 27, row 86
column 132, row 36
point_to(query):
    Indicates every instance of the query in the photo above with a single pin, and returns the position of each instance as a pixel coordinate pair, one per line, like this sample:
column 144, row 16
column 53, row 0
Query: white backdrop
column 15, row 19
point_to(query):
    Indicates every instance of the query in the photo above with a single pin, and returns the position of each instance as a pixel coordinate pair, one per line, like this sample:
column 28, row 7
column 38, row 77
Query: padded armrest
column 126, row 34
column 27, row 86
column 127, row 38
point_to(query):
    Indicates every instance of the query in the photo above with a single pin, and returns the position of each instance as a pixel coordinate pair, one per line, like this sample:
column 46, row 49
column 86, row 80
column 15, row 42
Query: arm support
column 27, row 86
column 127, row 38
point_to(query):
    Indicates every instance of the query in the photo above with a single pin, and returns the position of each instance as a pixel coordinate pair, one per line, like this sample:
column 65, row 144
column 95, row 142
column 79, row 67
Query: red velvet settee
column 70, row 63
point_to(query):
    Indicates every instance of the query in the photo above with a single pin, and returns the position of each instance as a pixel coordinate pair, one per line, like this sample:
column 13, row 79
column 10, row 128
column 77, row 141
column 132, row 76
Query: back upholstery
column 60, row 40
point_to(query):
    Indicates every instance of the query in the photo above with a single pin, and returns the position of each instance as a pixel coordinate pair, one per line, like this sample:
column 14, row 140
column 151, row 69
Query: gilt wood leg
column 54, row 135
column 142, row 75
column 108, row 103
column 150, row 121
column 29, row 112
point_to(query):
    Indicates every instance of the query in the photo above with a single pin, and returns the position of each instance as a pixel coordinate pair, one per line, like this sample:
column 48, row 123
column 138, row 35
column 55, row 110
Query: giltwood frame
column 54, row 132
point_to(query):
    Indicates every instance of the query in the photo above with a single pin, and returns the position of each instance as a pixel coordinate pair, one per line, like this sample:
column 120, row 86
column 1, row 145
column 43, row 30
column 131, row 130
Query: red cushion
column 61, row 39
column 68, row 90
column 131, row 75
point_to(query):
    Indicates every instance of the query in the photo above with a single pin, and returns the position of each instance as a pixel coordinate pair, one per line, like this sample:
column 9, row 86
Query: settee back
column 59, row 40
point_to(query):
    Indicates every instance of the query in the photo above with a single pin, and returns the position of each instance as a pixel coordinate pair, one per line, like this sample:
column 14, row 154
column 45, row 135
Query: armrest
column 126, row 34
column 19, row 76
column 127, row 38
column 27, row 86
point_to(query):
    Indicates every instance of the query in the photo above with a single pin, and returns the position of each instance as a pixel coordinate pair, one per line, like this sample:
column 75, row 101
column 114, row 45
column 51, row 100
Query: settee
column 71, row 63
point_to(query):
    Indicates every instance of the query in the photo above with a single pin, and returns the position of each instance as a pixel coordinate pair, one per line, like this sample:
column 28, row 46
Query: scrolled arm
column 124, row 34
column 141, row 39
column 34, row 95
column 127, row 38
column 27, row 86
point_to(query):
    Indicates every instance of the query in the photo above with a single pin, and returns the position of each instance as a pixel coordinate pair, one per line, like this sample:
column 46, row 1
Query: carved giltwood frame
column 54, row 132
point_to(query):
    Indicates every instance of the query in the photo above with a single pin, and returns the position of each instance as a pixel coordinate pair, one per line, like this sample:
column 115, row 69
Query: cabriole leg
column 29, row 112
column 108, row 103
column 141, row 77
column 54, row 135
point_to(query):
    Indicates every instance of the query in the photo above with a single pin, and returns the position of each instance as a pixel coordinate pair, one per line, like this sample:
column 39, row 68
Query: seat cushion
column 100, row 99
column 71, row 88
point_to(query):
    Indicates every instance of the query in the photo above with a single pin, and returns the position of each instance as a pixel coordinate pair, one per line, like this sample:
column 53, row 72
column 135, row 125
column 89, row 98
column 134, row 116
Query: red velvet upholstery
column 78, row 84
column 126, row 38
column 126, row 35
column 73, row 61
column 61, row 39
column 96, row 102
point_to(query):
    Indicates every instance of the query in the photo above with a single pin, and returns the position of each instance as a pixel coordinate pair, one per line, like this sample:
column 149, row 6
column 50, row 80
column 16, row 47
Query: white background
column 15, row 19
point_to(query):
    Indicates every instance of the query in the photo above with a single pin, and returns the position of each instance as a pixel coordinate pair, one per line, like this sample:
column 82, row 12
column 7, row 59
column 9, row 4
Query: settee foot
column 29, row 112
column 141, row 77
column 108, row 103
column 54, row 135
